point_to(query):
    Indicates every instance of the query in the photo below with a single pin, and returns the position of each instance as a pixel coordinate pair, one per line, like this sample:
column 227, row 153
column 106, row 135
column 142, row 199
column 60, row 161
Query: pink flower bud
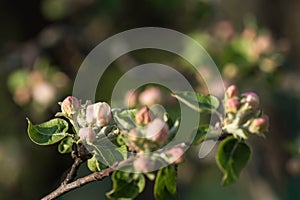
column 150, row 96
column 232, row 105
column 99, row 113
column 157, row 131
column 251, row 100
column 143, row 164
column 143, row 116
column 87, row 133
column 131, row 98
column 232, row 91
column 70, row 105
column 259, row 125
column 175, row 155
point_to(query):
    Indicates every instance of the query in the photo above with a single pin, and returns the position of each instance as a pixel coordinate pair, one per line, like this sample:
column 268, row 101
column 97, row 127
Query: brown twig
column 64, row 188
column 73, row 172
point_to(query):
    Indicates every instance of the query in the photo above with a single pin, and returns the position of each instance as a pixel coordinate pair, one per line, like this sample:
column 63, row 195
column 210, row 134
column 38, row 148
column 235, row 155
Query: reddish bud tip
column 232, row 105
column 259, row 125
column 143, row 116
column 232, row 91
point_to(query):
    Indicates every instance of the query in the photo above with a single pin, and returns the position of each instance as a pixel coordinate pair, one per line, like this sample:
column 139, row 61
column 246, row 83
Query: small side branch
column 66, row 187
column 73, row 172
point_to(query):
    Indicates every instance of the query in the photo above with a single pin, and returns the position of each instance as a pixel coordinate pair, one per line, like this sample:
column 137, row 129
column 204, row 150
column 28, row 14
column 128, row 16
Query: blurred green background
column 255, row 44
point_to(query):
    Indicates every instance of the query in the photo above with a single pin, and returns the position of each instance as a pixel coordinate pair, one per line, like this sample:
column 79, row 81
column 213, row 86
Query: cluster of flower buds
column 87, row 118
column 243, row 114
column 150, row 133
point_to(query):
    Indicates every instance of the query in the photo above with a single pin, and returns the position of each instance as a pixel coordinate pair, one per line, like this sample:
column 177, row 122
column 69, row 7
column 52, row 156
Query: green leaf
column 232, row 157
column 124, row 118
column 126, row 185
column 174, row 128
column 48, row 132
column 93, row 164
column 206, row 132
column 123, row 151
column 165, row 183
column 65, row 146
column 201, row 134
column 150, row 176
column 197, row 101
column 107, row 153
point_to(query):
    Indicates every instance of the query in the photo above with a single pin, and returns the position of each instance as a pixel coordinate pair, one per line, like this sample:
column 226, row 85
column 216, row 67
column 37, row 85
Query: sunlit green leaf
column 123, row 151
column 48, row 132
column 65, row 146
column 108, row 154
column 232, row 156
column 126, row 185
column 174, row 128
column 125, row 118
column 198, row 102
column 93, row 164
column 165, row 183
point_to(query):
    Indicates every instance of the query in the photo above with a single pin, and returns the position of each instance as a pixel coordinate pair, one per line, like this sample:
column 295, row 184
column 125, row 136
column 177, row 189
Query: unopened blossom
column 232, row 91
column 150, row 96
column 143, row 164
column 259, row 125
column 131, row 98
column 69, row 106
column 98, row 113
column 87, row 133
column 157, row 131
column 251, row 100
column 232, row 105
column 143, row 116
column 175, row 154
